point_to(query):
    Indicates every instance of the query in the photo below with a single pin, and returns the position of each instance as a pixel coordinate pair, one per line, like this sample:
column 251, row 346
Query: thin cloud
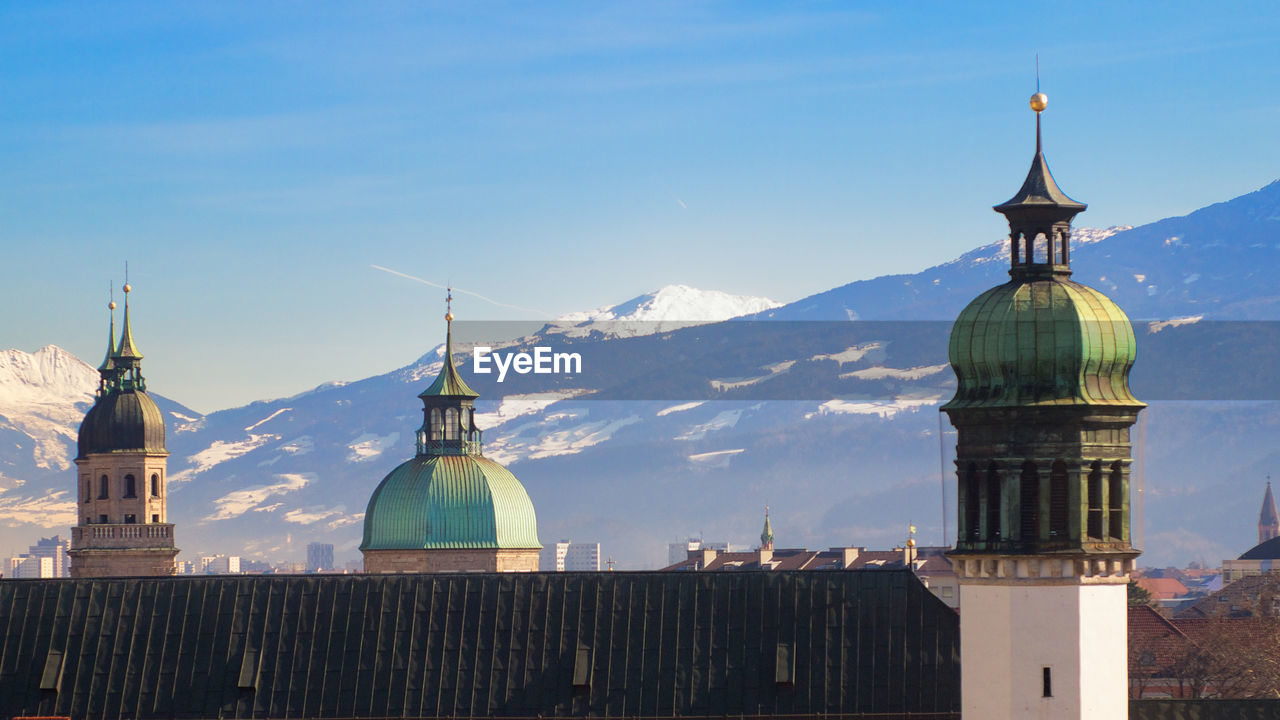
column 491, row 301
column 680, row 202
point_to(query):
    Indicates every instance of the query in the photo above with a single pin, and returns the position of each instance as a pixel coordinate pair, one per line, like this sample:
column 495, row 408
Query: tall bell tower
column 1043, row 413
column 123, row 526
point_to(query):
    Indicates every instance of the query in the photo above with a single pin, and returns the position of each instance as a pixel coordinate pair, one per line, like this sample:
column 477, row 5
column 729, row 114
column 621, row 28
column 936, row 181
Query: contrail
column 491, row 301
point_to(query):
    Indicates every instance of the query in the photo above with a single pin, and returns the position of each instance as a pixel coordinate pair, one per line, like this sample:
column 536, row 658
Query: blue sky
column 253, row 161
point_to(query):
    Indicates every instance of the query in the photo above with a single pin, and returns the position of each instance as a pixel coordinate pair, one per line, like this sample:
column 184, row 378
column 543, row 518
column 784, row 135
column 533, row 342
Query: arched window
column 102, row 488
column 155, row 485
column 130, row 487
column 994, row 503
column 463, row 421
column 1094, row 525
column 972, row 510
column 1040, row 249
column 1029, row 503
column 437, row 426
column 1058, row 501
column 1115, row 499
column 451, row 424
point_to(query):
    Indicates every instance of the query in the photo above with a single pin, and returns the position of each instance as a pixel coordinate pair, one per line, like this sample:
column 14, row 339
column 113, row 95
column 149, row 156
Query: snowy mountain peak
column 676, row 303
column 48, row 375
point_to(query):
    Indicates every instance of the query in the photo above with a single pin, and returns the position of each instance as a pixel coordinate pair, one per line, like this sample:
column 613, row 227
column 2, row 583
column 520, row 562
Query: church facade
column 1043, row 414
column 121, row 463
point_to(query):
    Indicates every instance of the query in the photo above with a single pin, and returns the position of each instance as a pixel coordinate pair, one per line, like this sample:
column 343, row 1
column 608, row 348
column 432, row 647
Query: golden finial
column 128, row 287
column 1039, row 102
column 111, row 305
column 448, row 305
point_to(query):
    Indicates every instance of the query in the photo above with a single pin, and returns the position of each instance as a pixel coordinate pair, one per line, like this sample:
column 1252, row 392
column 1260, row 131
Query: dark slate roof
column 474, row 645
column 1266, row 550
column 123, row 420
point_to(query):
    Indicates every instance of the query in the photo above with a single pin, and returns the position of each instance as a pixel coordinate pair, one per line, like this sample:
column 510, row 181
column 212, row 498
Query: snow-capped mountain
column 43, row 397
column 669, row 308
column 676, row 303
column 695, row 429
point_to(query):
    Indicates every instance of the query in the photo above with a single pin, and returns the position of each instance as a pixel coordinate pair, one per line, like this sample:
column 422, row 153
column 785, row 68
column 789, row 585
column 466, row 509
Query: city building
column 567, row 556
column 929, row 564
column 1265, row 556
column 450, row 508
column 1042, row 412
column 319, row 557
column 868, row 643
column 678, row 551
column 26, row 566
column 1196, row 657
column 219, row 565
column 123, row 526
column 32, row 564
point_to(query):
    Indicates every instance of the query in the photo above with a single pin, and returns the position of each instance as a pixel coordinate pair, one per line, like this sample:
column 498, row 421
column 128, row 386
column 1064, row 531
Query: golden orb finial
column 448, row 317
column 911, row 542
column 1039, row 102
column 111, row 305
column 128, row 287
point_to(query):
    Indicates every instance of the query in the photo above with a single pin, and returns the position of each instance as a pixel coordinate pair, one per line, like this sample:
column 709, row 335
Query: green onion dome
column 1039, row 340
column 450, row 501
column 449, row 496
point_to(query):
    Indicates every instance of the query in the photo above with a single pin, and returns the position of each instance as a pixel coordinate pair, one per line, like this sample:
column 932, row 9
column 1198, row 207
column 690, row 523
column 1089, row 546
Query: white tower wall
column 1011, row 628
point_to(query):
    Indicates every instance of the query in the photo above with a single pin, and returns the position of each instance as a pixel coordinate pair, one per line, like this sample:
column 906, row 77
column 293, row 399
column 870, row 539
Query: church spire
column 449, row 383
column 1268, row 519
column 766, row 535
column 1039, row 208
column 128, row 350
column 108, row 366
column 448, row 406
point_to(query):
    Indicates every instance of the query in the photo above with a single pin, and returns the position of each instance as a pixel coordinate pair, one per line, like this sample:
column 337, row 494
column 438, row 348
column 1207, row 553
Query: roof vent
column 51, row 678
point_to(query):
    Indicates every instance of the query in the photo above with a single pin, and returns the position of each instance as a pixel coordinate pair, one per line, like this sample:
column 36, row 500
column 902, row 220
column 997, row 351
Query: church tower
column 1268, row 520
column 449, row 508
column 124, row 529
column 1043, row 413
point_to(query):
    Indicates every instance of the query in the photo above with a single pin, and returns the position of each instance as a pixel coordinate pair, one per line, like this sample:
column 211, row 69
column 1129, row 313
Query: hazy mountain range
column 693, row 430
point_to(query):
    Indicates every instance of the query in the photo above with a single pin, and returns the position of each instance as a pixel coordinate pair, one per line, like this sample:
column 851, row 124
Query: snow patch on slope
column 882, row 373
column 883, row 408
column 219, row 452
column 369, row 446
column 239, row 502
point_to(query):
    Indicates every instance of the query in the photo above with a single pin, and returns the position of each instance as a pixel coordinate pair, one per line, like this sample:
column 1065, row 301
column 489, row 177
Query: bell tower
column 1043, row 413
column 1268, row 520
column 123, row 526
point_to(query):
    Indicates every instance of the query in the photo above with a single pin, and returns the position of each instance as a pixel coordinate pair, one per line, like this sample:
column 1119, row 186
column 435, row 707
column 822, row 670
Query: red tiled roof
column 1162, row 588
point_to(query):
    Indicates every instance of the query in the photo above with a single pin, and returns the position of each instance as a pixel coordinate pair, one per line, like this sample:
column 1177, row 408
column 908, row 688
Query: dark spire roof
column 766, row 535
column 1039, row 210
column 1268, row 515
column 107, row 365
column 449, row 383
column 1040, row 194
column 128, row 350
